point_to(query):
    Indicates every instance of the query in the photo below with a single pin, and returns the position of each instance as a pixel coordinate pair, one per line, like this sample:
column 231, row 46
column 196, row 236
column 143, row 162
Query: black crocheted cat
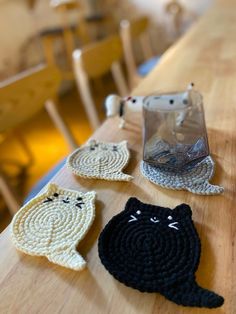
column 156, row 249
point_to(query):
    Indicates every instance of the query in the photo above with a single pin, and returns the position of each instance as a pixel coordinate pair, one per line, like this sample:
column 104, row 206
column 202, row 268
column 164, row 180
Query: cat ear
column 91, row 142
column 52, row 187
column 123, row 144
column 133, row 203
column 90, row 195
column 183, row 210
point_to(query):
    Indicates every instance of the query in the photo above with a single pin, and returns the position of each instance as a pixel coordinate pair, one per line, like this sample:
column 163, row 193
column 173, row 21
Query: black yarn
column 156, row 249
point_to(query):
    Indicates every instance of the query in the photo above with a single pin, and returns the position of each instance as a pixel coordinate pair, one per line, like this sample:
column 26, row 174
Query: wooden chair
column 66, row 34
column 96, row 22
column 83, row 32
column 64, row 7
column 20, row 99
column 48, row 38
column 130, row 32
column 175, row 10
column 94, row 61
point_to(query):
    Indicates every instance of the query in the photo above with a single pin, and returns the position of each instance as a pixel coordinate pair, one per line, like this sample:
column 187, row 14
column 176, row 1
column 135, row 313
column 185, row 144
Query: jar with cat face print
column 174, row 132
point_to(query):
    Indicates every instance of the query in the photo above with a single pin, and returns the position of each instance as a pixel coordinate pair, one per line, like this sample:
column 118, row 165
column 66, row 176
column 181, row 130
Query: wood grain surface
column 206, row 56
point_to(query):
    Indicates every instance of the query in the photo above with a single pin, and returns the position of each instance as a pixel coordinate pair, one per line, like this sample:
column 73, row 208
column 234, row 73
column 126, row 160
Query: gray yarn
column 195, row 180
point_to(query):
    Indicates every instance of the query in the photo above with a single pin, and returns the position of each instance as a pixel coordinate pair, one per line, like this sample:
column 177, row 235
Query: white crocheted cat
column 100, row 160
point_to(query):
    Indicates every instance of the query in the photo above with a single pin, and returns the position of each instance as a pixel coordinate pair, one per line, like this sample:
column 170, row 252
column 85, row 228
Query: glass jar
column 175, row 134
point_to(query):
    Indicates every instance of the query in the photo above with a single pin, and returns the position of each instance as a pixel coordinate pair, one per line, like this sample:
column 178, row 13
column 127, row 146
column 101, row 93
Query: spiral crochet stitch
column 195, row 179
column 156, row 249
column 53, row 223
column 100, row 160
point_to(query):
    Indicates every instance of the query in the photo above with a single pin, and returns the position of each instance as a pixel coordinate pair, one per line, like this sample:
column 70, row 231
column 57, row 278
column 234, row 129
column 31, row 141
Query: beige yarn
column 100, row 160
column 53, row 223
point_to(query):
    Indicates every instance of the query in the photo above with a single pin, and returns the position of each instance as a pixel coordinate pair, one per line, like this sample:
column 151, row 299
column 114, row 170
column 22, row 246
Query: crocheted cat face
column 163, row 217
column 53, row 223
column 155, row 249
column 100, row 160
column 99, row 147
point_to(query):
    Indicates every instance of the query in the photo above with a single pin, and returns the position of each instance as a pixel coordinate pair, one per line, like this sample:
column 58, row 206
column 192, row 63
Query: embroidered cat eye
column 154, row 219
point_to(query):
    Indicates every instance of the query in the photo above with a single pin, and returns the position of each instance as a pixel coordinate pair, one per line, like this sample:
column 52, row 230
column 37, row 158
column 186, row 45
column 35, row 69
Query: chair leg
column 146, row 46
column 10, row 196
column 25, row 148
column 60, row 124
column 48, row 50
column 119, row 79
column 82, row 31
column 69, row 44
column 128, row 53
column 84, row 90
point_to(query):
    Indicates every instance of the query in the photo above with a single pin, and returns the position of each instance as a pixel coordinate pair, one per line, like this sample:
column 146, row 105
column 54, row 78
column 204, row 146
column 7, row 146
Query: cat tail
column 189, row 293
column 118, row 176
column 69, row 258
column 206, row 189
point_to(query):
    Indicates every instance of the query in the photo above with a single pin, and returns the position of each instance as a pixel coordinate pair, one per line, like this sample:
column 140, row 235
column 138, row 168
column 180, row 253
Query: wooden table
column 206, row 55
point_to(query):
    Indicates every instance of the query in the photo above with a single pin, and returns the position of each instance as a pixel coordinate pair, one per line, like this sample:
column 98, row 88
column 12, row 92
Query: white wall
column 156, row 10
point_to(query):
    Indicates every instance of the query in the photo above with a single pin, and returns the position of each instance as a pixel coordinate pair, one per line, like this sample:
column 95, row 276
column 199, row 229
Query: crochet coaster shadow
column 195, row 179
column 53, row 223
column 156, row 249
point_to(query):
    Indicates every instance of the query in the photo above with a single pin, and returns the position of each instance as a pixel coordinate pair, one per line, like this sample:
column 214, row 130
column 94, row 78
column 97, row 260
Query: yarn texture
column 156, row 249
column 195, row 179
column 53, row 223
column 99, row 160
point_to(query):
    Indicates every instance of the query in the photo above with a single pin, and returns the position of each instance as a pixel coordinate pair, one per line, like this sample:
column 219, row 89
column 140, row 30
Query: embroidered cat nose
column 66, row 200
column 154, row 219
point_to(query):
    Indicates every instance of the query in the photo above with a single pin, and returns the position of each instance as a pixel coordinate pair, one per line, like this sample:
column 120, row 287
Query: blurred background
column 59, row 59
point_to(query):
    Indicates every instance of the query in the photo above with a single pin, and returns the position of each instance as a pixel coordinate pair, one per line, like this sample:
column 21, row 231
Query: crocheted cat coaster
column 53, row 223
column 156, row 249
column 100, row 160
column 195, row 179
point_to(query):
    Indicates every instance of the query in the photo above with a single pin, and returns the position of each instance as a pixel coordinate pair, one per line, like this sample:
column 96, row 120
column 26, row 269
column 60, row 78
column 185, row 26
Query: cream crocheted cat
column 53, row 223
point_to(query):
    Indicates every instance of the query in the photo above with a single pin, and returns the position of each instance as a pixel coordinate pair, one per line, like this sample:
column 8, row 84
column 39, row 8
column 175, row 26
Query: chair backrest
column 138, row 26
column 131, row 31
column 24, row 95
column 93, row 61
column 98, row 57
